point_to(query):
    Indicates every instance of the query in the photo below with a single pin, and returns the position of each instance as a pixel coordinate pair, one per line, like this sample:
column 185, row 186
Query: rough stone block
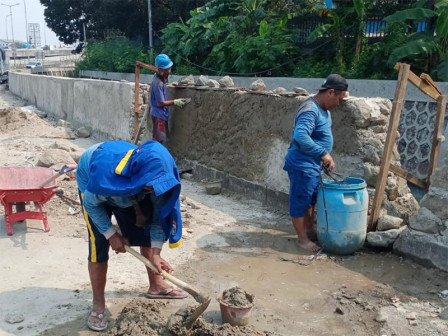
column 187, row 80
column 53, row 156
column 145, row 97
column 392, row 188
column 436, row 200
column 427, row 249
column 60, row 145
column 202, row 81
column 301, row 91
column 439, row 178
column 404, row 207
column 280, row 90
column 383, row 239
column 258, row 85
column 371, row 155
column 426, row 221
column 226, row 81
column 379, row 129
column 83, row 132
column 371, row 174
column 213, row 83
column 387, row 222
column 362, row 112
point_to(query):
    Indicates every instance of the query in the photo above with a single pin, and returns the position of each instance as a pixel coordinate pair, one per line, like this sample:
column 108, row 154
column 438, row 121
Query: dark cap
column 336, row 82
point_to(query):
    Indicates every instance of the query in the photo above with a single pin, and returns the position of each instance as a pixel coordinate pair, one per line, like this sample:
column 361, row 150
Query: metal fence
column 375, row 28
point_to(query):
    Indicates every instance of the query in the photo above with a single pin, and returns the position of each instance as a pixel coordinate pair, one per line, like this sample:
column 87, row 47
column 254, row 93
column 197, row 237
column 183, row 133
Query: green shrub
column 114, row 55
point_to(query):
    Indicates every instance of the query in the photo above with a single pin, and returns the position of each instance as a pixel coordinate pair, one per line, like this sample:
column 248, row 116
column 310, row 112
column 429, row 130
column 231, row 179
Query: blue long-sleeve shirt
column 311, row 138
column 94, row 203
column 159, row 93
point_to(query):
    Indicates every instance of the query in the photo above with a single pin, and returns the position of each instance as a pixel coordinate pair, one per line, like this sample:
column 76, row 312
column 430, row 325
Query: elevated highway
column 31, row 53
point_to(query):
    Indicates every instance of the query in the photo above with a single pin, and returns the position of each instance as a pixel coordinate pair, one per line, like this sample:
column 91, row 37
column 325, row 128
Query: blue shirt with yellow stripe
column 117, row 170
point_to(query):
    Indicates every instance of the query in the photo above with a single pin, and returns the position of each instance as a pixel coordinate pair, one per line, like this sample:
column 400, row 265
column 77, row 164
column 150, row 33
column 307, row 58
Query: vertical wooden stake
column 136, row 98
column 389, row 145
column 437, row 137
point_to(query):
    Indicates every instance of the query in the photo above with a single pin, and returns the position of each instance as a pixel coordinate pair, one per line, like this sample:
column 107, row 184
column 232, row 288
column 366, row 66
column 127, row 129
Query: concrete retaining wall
column 103, row 106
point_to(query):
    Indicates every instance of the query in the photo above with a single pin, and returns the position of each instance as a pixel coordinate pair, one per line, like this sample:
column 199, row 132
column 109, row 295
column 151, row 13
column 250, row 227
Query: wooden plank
column 390, row 142
column 438, row 136
column 146, row 66
column 421, row 84
column 408, row 176
column 427, row 78
column 136, row 98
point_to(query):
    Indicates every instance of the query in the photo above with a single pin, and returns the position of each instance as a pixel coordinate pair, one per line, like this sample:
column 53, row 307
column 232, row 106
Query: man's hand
column 117, row 242
column 180, row 102
column 328, row 162
column 160, row 263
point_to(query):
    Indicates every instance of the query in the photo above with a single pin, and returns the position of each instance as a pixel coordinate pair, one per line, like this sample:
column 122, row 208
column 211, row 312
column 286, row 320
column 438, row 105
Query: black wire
column 241, row 73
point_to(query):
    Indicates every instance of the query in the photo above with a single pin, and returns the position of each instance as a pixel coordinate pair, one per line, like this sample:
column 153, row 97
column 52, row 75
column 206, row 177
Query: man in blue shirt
column 140, row 186
column 159, row 99
column 310, row 148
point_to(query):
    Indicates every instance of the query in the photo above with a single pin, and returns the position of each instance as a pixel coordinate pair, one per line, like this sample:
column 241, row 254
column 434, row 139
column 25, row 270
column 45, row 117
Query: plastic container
column 235, row 316
column 346, row 204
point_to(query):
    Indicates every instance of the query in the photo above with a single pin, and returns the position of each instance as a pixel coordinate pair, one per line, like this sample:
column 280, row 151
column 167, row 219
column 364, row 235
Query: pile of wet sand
column 144, row 318
column 236, row 296
column 13, row 118
column 15, row 121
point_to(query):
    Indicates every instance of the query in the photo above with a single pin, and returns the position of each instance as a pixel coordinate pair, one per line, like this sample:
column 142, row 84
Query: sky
column 34, row 14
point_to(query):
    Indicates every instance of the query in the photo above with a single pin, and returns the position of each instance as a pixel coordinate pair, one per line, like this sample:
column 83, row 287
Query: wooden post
column 437, row 137
column 136, row 98
column 389, row 145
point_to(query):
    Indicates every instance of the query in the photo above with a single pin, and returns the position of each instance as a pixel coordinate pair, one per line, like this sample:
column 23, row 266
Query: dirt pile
column 236, row 296
column 13, row 118
column 144, row 318
column 15, row 121
column 140, row 317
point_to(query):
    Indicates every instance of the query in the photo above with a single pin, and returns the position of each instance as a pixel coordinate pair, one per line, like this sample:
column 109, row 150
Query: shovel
column 64, row 170
column 200, row 298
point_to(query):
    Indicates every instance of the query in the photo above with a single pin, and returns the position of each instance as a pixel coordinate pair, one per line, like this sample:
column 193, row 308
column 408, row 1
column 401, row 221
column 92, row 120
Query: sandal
column 98, row 325
column 167, row 293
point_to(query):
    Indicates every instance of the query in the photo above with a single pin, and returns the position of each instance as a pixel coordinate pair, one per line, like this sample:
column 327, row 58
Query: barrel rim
column 360, row 184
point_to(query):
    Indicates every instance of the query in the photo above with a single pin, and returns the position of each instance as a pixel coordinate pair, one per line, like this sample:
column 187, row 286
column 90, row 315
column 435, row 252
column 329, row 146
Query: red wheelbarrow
column 22, row 184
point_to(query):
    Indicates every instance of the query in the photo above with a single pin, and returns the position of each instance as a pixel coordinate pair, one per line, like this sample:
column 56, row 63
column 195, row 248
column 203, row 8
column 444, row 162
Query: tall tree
column 64, row 18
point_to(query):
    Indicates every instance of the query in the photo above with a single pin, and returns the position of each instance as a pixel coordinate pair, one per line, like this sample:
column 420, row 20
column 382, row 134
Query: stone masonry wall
column 245, row 133
column 426, row 239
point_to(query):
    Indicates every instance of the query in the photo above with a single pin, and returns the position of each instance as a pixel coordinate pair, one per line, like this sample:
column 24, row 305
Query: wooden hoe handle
column 197, row 296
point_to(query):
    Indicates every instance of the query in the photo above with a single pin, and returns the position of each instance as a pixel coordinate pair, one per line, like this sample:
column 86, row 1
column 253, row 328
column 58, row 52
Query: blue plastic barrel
column 346, row 204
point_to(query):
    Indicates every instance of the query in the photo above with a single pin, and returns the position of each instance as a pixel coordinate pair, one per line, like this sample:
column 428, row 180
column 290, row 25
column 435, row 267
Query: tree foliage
column 105, row 18
column 433, row 44
column 246, row 36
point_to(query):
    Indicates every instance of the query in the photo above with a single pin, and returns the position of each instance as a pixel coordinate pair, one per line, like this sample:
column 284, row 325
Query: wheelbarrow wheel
column 21, row 206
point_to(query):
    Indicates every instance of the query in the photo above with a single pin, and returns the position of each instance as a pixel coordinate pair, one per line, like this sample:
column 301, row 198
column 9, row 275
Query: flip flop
column 100, row 325
column 165, row 294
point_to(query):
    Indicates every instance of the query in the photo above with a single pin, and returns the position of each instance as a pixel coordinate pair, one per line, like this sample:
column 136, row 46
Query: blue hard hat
column 163, row 61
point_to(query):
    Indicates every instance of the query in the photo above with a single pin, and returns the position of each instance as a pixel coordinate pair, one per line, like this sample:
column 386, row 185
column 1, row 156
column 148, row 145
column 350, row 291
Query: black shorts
column 99, row 245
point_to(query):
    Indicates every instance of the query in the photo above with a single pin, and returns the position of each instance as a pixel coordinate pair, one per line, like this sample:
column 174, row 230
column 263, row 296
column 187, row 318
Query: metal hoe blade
column 196, row 313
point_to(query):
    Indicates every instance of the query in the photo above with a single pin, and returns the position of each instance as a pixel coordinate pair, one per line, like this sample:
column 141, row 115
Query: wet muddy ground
column 228, row 241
